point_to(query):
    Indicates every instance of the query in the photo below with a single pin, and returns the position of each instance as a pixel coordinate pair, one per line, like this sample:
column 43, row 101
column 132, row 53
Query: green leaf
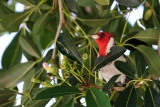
column 115, row 53
column 27, row 79
column 6, row 97
column 13, row 53
column 45, row 7
column 110, row 83
column 157, row 83
column 12, row 21
column 40, row 24
column 103, row 2
column 155, row 21
column 140, row 63
column 86, row 3
column 63, row 101
column 48, row 56
column 152, row 98
column 127, row 98
column 29, row 46
column 36, row 91
column 140, row 99
column 125, row 69
column 2, row 30
column 71, row 4
column 26, row 2
column 152, row 59
column 39, row 103
column 94, row 22
column 4, row 10
column 46, row 37
column 149, row 36
column 70, row 103
column 129, row 2
column 15, row 74
column 27, row 83
column 57, row 91
column 66, row 46
column 97, row 98
column 72, row 80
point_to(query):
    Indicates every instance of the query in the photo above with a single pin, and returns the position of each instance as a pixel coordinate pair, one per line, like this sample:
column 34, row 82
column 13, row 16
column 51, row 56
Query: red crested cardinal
column 105, row 41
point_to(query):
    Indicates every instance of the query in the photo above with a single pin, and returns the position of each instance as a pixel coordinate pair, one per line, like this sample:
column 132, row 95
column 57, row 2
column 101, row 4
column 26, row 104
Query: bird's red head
column 102, row 39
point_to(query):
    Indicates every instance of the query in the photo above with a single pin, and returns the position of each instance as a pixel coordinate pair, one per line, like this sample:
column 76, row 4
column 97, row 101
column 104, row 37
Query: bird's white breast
column 108, row 71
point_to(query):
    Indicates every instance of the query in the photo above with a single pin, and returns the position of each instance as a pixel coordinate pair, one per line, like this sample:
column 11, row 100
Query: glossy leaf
column 129, row 2
column 13, row 53
column 48, row 56
column 39, row 103
column 95, row 22
column 72, row 80
column 157, row 83
column 125, row 69
column 27, row 83
column 63, row 101
column 140, row 63
column 27, row 79
column 86, row 3
column 155, row 21
column 110, row 83
column 33, row 93
column 127, row 98
column 28, row 45
column 12, row 21
column 149, row 36
column 152, row 59
column 103, row 2
column 15, row 74
column 66, row 46
column 36, row 91
column 57, row 91
column 2, row 30
column 4, row 10
column 40, row 23
column 71, row 5
column 6, row 97
column 152, row 97
column 115, row 53
column 25, row 2
column 70, row 103
column 46, row 37
column 97, row 98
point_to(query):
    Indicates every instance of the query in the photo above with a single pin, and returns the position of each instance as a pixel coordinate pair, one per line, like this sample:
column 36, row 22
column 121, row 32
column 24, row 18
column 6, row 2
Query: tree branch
column 158, row 50
column 61, row 22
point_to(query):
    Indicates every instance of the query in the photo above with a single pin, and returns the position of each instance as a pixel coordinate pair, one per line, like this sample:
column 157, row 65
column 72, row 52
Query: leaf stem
column 124, row 29
column 114, row 91
column 81, row 30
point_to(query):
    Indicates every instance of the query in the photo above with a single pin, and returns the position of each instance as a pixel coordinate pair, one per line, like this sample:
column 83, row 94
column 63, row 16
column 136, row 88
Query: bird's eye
column 102, row 34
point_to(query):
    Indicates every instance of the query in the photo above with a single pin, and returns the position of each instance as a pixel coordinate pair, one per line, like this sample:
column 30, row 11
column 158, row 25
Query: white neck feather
column 110, row 44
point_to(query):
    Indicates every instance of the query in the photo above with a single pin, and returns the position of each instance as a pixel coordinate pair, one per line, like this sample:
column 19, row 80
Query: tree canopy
column 69, row 72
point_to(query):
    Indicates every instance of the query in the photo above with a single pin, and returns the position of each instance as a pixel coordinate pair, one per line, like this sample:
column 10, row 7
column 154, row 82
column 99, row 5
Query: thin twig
column 54, row 6
column 61, row 22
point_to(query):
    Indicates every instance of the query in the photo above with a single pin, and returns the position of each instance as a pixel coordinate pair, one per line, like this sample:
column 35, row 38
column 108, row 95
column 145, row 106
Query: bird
column 105, row 42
